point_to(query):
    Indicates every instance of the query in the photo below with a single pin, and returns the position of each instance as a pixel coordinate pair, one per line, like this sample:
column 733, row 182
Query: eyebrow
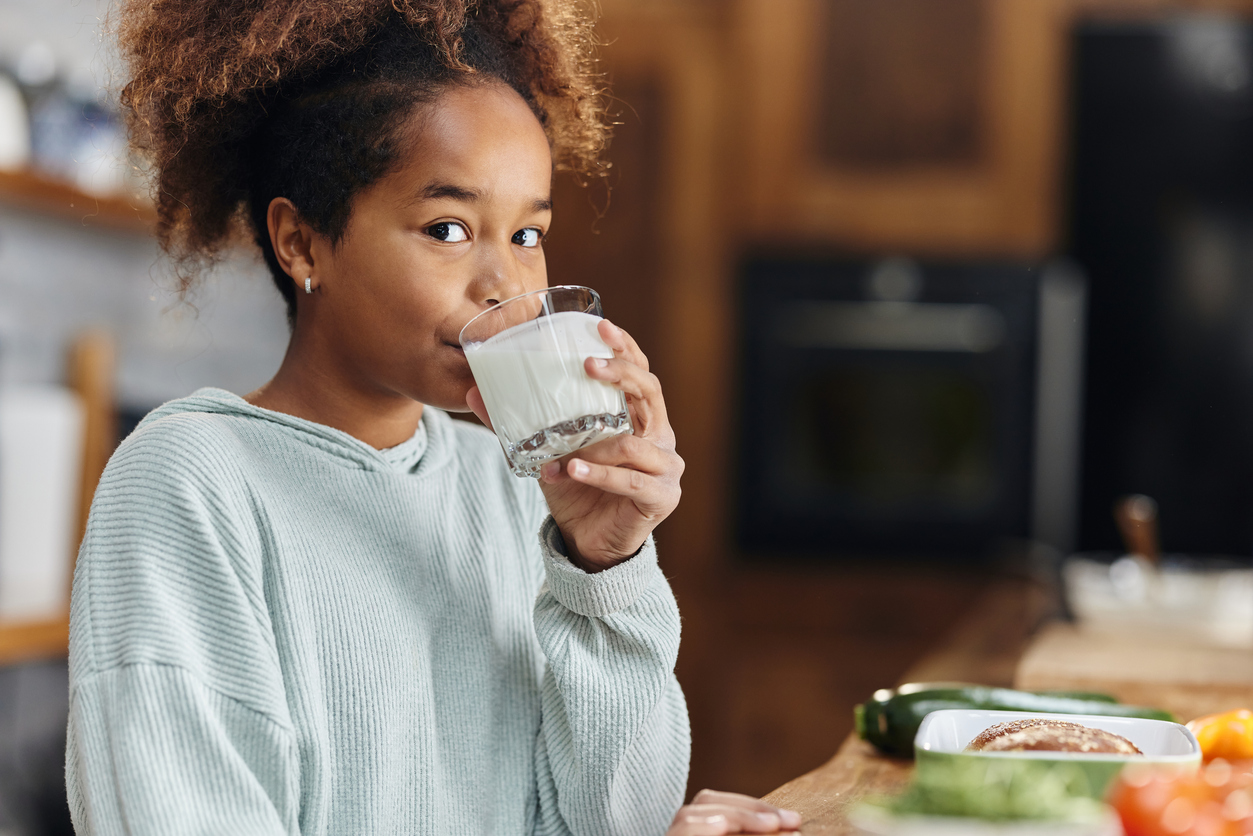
column 437, row 191
column 448, row 191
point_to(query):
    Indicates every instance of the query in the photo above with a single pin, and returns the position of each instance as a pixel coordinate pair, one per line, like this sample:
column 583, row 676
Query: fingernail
column 599, row 362
column 578, row 468
column 550, row 469
column 790, row 818
column 768, row 819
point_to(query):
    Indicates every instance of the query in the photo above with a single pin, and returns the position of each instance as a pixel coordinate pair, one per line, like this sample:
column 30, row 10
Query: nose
column 500, row 276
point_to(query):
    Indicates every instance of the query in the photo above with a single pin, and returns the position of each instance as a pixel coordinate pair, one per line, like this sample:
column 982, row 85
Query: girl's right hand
column 715, row 813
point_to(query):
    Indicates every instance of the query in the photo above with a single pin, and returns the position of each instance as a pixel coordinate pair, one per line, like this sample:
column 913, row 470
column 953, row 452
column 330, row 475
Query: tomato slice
column 1214, row 801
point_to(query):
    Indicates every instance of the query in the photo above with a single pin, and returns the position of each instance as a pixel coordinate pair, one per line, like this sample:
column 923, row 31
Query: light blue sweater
column 277, row 629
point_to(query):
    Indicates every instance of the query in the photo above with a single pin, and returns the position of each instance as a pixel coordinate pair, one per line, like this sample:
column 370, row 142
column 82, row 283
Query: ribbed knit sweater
column 277, row 629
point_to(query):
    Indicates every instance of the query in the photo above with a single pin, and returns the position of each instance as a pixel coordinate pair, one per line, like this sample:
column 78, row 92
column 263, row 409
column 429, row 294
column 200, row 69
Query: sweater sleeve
column 153, row 751
column 177, row 721
column 613, row 748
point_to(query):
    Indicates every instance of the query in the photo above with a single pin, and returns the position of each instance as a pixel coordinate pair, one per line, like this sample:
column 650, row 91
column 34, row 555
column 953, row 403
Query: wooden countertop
column 1008, row 640
column 823, row 796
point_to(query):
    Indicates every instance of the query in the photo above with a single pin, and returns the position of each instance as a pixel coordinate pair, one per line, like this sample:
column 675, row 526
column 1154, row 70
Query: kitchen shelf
column 30, row 641
column 31, row 190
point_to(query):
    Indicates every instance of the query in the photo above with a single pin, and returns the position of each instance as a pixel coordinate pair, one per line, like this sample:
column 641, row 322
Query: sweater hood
column 429, row 443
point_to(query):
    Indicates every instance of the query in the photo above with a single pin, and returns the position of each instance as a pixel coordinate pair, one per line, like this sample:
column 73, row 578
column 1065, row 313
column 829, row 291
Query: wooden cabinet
column 933, row 128
column 918, row 126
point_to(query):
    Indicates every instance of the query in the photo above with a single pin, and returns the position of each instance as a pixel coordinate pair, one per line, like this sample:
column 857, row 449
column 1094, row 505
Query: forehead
column 481, row 137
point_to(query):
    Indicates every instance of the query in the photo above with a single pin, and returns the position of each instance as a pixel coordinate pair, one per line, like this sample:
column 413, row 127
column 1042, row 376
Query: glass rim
column 503, row 302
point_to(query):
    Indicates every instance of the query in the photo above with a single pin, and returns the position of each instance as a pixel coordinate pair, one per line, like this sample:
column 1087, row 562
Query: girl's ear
column 292, row 240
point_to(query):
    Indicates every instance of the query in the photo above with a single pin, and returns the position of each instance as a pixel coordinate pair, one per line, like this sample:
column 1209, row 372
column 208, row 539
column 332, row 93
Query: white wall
column 72, row 28
column 58, row 277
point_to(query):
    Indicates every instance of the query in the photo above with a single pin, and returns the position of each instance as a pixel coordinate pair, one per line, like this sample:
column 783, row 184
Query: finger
column 622, row 451
column 633, row 379
column 733, row 799
column 622, row 343
column 642, row 388
column 474, row 400
column 698, row 824
column 665, row 468
column 741, row 819
column 631, row 451
column 789, row 819
column 645, row 490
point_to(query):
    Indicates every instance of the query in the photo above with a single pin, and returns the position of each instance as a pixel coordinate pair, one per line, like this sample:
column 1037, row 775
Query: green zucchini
column 891, row 717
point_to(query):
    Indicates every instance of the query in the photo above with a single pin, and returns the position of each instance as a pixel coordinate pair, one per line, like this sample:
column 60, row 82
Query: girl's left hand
column 607, row 498
column 716, row 813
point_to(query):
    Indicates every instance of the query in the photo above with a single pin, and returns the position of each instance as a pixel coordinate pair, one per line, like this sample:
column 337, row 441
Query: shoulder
column 176, row 446
column 170, row 571
column 179, row 461
column 187, row 435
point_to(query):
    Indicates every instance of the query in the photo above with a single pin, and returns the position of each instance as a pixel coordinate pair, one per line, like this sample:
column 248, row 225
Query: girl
column 325, row 607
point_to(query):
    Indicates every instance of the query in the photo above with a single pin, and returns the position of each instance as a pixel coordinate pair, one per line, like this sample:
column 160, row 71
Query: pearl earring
column 309, row 285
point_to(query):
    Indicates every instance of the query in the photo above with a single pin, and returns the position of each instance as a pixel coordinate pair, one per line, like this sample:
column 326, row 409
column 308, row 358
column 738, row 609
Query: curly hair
column 236, row 102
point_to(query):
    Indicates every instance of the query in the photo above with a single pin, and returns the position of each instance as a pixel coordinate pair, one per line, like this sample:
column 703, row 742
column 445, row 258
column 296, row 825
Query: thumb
column 475, row 401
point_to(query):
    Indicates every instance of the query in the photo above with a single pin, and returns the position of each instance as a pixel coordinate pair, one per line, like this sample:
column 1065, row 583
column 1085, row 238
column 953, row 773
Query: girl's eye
column 529, row 237
column 448, row 232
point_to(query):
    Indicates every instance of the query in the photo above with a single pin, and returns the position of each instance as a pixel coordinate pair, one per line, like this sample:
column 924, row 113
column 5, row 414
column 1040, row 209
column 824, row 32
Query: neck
column 313, row 383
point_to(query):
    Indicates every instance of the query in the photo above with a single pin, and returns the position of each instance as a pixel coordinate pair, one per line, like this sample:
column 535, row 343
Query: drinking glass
column 526, row 354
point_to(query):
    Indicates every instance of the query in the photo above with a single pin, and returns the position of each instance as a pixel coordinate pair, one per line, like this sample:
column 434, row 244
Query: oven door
column 885, row 415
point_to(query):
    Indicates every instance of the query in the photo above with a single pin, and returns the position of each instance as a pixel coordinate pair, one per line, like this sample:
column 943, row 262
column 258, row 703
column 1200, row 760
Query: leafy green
column 999, row 790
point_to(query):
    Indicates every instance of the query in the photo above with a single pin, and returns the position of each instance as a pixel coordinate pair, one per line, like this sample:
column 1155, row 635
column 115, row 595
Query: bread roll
column 1033, row 734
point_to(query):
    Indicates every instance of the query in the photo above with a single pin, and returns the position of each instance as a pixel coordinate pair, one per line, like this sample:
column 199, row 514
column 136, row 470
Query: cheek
column 380, row 319
column 387, row 286
column 414, row 314
column 399, row 304
column 539, row 272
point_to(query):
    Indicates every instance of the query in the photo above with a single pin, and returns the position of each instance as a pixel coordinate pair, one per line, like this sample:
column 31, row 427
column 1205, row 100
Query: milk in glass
column 541, row 402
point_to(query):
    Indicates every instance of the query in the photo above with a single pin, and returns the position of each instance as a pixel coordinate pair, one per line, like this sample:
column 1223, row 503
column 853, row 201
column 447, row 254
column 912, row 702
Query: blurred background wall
column 894, row 198
column 95, row 264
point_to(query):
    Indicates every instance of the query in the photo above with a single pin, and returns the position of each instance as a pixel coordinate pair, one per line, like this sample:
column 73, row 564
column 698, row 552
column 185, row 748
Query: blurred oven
column 892, row 407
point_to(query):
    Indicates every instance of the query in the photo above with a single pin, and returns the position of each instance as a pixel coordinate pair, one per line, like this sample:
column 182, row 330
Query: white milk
column 532, row 379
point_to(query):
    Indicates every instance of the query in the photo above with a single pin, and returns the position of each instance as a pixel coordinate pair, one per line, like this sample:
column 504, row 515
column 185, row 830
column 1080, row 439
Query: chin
column 449, row 401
